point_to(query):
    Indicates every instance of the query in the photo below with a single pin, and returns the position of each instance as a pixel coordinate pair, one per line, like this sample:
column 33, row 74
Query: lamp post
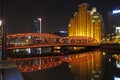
column 3, row 32
column 5, row 63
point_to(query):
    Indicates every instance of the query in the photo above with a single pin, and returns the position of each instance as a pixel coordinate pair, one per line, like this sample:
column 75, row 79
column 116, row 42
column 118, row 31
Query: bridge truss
column 31, row 40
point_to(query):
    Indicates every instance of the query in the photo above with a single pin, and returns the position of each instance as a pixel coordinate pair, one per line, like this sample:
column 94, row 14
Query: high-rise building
column 36, row 27
column 86, row 23
column 109, row 28
column 116, row 18
column 113, row 24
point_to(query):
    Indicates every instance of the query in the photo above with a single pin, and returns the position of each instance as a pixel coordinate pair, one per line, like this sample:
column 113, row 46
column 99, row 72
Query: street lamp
column 5, row 64
column 3, row 32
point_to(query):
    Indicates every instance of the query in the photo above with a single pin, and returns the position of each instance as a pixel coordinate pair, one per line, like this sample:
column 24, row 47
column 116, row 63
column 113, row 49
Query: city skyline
column 55, row 14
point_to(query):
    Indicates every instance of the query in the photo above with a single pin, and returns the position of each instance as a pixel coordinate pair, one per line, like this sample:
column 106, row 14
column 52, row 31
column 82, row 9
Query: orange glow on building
column 86, row 23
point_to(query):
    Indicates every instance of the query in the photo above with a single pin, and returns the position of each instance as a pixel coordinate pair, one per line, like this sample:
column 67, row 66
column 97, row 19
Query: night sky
column 55, row 14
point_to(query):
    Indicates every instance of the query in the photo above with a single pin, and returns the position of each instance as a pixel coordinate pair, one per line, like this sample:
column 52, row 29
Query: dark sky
column 55, row 14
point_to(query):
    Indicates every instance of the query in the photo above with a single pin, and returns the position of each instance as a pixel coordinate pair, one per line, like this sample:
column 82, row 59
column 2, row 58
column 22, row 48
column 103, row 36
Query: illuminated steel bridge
column 33, row 40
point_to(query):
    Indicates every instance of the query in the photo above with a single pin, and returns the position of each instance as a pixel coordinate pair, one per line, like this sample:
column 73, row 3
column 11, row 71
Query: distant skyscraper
column 86, row 23
column 114, row 22
column 109, row 28
column 36, row 25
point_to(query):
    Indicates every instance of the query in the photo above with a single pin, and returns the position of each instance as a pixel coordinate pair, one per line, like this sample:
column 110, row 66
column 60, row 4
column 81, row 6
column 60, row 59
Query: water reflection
column 93, row 65
column 86, row 66
column 38, row 63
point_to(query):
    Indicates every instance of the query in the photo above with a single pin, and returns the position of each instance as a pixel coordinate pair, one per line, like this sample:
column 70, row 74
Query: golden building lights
column 86, row 23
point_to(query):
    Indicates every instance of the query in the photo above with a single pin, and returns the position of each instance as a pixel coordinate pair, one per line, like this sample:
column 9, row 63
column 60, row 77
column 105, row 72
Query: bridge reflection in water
column 38, row 63
column 85, row 65
column 30, row 64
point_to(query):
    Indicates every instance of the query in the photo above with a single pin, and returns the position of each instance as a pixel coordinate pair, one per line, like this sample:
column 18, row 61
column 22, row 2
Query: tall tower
column 116, row 21
column 96, row 24
column 109, row 30
column 36, row 25
column 113, row 24
column 86, row 23
column 82, row 19
column 72, row 30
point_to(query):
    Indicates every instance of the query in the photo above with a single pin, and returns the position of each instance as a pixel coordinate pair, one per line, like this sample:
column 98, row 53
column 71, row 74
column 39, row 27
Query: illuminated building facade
column 114, row 25
column 116, row 21
column 86, row 23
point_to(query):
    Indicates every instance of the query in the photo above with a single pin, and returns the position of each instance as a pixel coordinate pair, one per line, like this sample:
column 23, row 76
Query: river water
column 90, row 65
column 85, row 65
